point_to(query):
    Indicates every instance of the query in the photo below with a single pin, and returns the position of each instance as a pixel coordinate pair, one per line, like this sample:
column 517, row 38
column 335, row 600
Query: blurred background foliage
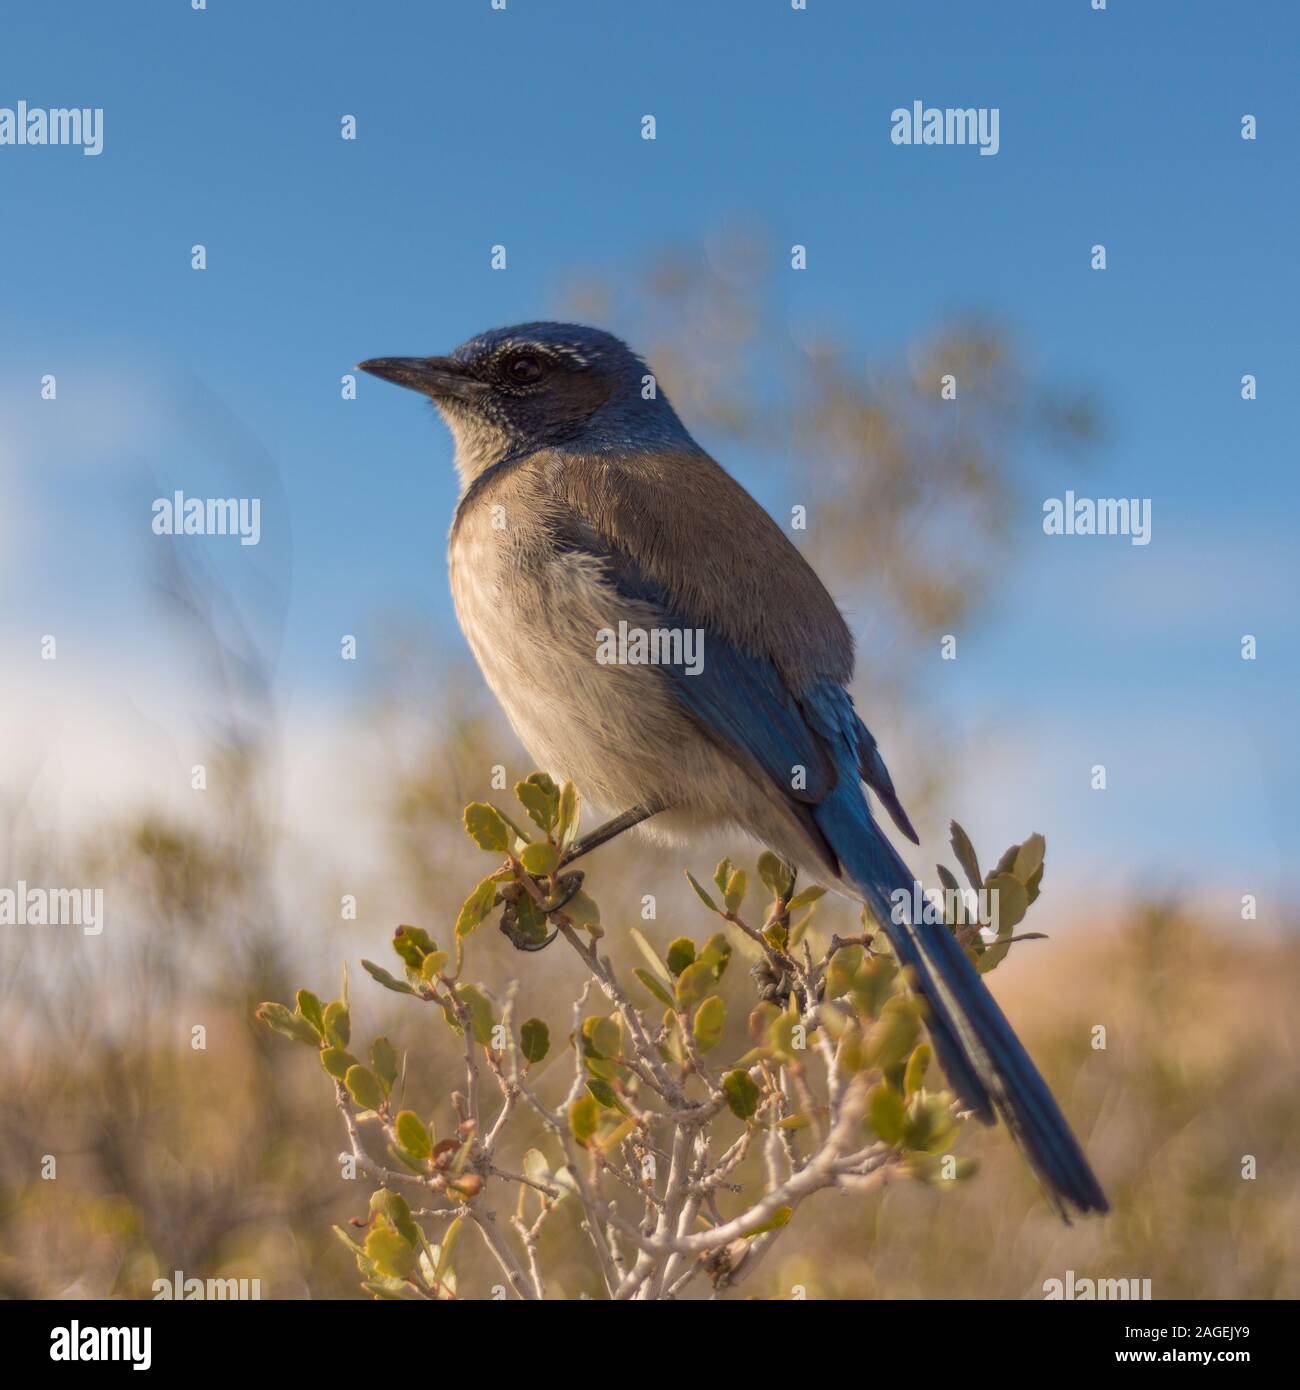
column 221, row 1162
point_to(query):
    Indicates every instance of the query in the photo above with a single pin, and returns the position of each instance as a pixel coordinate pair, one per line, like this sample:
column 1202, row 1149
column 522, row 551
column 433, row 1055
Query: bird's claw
column 523, row 940
column 569, row 884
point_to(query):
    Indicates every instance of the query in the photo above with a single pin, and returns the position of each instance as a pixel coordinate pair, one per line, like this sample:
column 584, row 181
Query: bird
column 586, row 508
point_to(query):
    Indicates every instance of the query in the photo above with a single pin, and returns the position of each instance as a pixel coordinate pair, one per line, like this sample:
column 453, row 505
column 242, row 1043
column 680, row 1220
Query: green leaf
column 894, row 1034
column 773, row 1223
column 742, row 1093
column 541, row 799
column 762, row 1018
column 391, row 1291
column 445, row 1249
column 516, row 830
column 336, row 1061
column 670, row 1043
column 917, row 1065
column 547, row 785
column 873, row 985
column 843, row 970
column 364, row 1088
column 433, row 965
column 418, row 937
column 703, row 896
column 653, row 985
column 582, row 911
column 1007, row 862
column 650, row 954
column 1012, row 900
column 992, row 956
column 681, row 954
column 383, row 1058
column 694, row 983
column 476, row 907
column 710, row 1020
column 486, row 827
column 309, row 1008
column 612, row 1138
column 603, row 1036
column 530, row 920
column 413, row 1134
column 806, row 896
column 408, row 1161
column 737, row 885
column 928, row 1125
column 1029, row 858
column 412, row 944
column 480, row 1009
column 716, row 954
column 338, row 1023
column 721, row 874
column 775, row 873
column 850, row 1057
column 534, row 1040
column 568, row 817
column 885, row 1113
column 377, row 972
column 391, row 1254
column 540, row 859
column 781, row 1035
column 392, row 1205
column 605, row 1095
column 947, row 878
column 965, row 852
column 288, row 1024
column 584, row 1116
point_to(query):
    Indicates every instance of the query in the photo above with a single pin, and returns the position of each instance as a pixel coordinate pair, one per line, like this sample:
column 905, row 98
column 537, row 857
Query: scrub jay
column 586, row 510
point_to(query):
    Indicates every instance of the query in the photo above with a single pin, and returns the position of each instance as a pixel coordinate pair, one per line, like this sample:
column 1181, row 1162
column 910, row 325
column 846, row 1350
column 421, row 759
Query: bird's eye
column 523, row 369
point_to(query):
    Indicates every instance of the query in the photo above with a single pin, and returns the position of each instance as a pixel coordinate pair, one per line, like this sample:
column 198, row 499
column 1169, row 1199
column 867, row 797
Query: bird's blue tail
column 985, row 1062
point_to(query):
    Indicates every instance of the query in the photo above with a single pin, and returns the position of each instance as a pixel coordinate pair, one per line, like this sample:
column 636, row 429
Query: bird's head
column 535, row 386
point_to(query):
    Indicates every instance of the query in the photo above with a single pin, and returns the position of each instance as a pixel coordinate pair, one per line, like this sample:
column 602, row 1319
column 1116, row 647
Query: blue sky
column 522, row 127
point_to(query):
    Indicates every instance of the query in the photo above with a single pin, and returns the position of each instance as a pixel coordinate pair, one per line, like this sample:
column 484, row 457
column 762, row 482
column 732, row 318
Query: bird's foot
column 524, row 919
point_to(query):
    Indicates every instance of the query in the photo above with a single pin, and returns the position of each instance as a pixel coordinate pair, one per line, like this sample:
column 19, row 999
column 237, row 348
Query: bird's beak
column 433, row 376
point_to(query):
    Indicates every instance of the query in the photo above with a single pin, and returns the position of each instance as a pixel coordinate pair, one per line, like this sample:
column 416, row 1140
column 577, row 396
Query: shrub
column 682, row 1165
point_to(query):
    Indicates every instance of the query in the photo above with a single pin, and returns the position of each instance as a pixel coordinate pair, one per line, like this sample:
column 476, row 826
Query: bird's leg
column 603, row 834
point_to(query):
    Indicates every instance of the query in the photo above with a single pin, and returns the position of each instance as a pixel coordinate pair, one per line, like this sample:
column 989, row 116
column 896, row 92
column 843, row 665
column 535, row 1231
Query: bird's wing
column 801, row 733
column 689, row 528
